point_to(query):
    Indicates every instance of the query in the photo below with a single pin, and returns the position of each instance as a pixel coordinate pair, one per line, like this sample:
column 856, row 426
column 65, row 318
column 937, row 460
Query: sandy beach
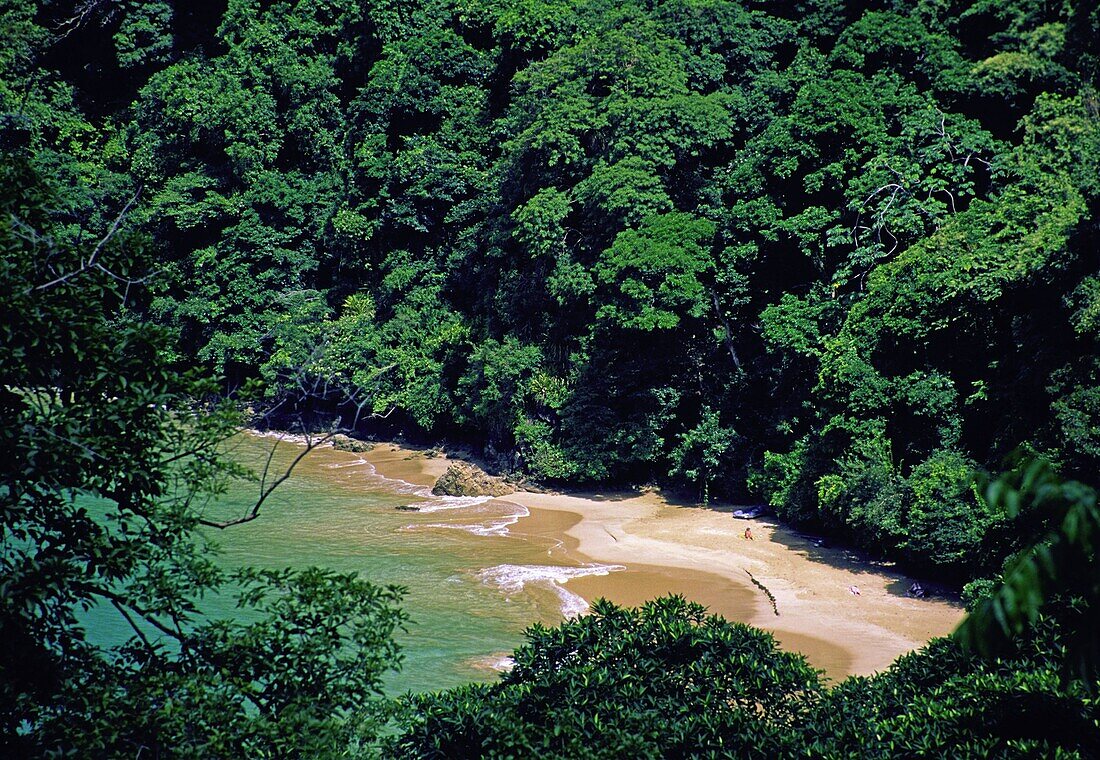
column 703, row 554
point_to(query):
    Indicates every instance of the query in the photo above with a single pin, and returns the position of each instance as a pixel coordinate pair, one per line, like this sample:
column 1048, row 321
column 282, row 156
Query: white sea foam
column 397, row 485
column 494, row 527
column 299, row 438
column 344, row 465
column 512, row 579
column 444, row 503
column 428, row 502
column 371, row 472
column 501, row 662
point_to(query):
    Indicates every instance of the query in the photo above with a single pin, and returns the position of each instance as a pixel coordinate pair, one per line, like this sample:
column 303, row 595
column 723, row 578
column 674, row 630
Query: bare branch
column 92, row 261
column 726, row 326
column 140, row 634
column 84, row 11
column 267, row 490
column 896, row 187
column 146, row 615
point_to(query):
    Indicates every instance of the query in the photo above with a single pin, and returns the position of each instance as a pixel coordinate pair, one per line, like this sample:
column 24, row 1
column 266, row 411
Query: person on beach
column 748, row 534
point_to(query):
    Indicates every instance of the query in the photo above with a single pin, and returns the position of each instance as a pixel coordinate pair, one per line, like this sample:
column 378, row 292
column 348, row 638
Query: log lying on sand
column 767, row 593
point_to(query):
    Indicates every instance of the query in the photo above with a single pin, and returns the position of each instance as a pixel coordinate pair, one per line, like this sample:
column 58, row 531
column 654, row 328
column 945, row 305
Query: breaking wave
column 500, row 662
column 444, row 503
column 512, row 579
column 496, row 525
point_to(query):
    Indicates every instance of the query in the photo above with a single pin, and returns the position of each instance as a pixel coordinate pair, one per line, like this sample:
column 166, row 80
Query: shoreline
column 701, row 552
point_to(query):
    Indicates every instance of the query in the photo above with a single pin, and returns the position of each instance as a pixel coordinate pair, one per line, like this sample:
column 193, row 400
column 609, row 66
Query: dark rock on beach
column 346, row 443
column 464, row 479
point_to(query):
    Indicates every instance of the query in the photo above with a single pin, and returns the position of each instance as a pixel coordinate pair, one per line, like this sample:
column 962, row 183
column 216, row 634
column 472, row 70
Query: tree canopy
column 110, row 456
column 579, row 236
column 838, row 258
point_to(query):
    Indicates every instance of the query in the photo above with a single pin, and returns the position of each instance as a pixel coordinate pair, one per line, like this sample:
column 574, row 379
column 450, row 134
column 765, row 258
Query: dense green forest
column 841, row 258
column 832, row 257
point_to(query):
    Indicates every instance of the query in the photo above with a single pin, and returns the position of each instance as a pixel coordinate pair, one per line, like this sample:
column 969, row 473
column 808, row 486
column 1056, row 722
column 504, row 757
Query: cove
column 478, row 571
column 472, row 587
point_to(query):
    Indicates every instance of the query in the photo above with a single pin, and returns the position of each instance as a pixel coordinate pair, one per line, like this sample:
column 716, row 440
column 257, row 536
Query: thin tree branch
column 140, row 634
column 265, row 492
column 145, row 614
column 92, row 261
column 726, row 326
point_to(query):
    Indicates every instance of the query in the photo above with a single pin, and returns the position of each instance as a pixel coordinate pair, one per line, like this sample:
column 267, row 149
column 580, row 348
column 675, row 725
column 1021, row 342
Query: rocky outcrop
column 346, row 443
column 464, row 479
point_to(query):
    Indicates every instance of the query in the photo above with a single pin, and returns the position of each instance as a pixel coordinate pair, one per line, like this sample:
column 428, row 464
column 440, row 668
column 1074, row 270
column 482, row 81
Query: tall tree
column 109, row 454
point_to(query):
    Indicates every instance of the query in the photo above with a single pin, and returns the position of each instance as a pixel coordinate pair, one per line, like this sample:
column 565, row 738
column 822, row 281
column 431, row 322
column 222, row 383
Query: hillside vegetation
column 832, row 258
column 841, row 258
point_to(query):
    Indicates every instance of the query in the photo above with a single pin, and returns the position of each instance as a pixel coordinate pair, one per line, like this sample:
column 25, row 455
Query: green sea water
column 476, row 574
column 474, row 582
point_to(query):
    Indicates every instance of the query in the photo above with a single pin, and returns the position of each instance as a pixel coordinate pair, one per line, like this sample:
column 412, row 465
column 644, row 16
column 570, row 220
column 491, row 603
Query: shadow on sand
column 816, row 548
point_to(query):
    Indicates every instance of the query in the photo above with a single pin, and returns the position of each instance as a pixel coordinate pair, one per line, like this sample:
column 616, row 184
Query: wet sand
column 702, row 554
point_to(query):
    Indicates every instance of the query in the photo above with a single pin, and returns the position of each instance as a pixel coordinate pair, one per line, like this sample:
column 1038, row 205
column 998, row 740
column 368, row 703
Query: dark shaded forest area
column 830, row 258
column 840, row 258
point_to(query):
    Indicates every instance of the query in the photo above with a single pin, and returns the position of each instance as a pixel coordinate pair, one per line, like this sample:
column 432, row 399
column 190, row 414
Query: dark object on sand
column 464, row 479
column 748, row 514
column 342, row 442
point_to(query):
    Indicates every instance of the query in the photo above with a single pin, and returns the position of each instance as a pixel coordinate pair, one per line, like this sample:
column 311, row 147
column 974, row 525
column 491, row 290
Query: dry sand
column 703, row 554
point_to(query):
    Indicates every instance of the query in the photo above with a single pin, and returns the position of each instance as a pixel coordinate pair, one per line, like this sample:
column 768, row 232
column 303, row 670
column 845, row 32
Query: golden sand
column 702, row 553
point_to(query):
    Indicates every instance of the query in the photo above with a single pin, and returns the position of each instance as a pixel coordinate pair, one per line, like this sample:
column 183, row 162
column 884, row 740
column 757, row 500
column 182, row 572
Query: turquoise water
column 472, row 585
column 476, row 576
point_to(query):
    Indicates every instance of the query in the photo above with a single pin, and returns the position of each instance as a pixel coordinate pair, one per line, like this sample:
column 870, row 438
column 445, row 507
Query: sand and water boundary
column 846, row 614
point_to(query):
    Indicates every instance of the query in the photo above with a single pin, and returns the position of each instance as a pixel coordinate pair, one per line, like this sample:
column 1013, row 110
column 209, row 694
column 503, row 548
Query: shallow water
column 478, row 571
column 472, row 586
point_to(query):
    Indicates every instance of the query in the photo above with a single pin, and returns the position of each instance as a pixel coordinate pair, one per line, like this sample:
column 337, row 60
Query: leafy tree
column 943, row 701
column 860, row 235
column 1053, row 576
column 667, row 680
column 654, row 273
column 704, row 452
column 664, row 679
column 835, row 256
column 111, row 455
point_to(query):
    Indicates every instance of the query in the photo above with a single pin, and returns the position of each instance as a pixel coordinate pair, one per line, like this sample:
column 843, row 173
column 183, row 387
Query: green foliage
column 654, row 273
column 542, row 456
column 841, row 259
column 1057, row 570
column 947, row 519
column 666, row 680
column 704, row 452
column 144, row 36
column 496, row 386
column 943, row 702
column 661, row 680
column 598, row 237
column 110, row 456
